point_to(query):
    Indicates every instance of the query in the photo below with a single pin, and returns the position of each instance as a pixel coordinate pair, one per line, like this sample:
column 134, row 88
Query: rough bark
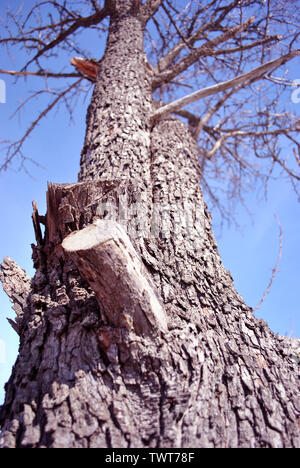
column 215, row 376
column 16, row 284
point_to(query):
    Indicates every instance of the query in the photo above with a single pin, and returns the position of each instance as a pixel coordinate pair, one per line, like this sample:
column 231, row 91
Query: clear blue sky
column 249, row 253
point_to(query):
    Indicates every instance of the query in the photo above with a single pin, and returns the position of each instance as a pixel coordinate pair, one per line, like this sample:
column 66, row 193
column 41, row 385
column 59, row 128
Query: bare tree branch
column 79, row 23
column 202, row 51
column 239, row 133
column 275, row 269
column 254, row 74
column 212, row 111
column 40, row 73
column 87, row 68
column 15, row 148
column 149, row 8
column 95, row 5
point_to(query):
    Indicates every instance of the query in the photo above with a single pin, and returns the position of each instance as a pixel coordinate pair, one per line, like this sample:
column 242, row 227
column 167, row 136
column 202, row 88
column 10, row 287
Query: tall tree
column 131, row 331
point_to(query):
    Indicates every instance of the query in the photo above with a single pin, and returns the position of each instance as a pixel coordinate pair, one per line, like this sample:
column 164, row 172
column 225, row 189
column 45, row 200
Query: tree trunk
column 133, row 334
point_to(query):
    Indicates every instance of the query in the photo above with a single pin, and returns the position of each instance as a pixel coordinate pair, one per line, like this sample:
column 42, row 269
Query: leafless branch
column 201, row 51
column 275, row 269
column 40, row 73
column 81, row 22
column 166, row 61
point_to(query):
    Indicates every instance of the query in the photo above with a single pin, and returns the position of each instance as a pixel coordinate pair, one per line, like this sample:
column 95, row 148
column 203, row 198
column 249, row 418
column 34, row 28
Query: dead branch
column 88, row 68
column 36, row 224
column 149, row 8
column 202, row 51
column 81, row 22
column 40, row 73
column 254, row 74
column 275, row 269
column 166, row 61
column 201, row 44
column 205, row 119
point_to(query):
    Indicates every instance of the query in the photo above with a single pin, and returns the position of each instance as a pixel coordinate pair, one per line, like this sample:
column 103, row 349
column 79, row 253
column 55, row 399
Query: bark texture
column 16, row 284
column 214, row 376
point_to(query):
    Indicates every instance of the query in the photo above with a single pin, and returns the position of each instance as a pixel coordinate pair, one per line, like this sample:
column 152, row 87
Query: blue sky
column 249, row 253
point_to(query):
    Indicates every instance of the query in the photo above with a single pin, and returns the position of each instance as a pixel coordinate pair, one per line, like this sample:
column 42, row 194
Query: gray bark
column 215, row 376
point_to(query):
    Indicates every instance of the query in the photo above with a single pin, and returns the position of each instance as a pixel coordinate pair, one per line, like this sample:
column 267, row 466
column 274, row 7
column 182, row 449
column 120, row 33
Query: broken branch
column 253, row 75
column 275, row 269
column 107, row 260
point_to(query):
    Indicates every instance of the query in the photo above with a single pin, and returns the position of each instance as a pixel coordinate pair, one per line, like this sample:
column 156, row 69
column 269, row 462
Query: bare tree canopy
column 228, row 54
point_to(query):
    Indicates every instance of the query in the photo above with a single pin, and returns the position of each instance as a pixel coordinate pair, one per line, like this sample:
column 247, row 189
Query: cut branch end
column 107, row 260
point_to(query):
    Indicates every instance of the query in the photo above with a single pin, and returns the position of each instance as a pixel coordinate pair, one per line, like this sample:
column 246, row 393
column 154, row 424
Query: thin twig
column 253, row 75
